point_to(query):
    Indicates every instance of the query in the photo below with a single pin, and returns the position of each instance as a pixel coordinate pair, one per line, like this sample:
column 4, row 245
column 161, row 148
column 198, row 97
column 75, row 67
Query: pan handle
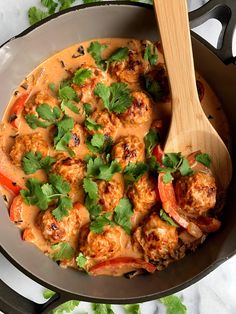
column 225, row 12
column 13, row 303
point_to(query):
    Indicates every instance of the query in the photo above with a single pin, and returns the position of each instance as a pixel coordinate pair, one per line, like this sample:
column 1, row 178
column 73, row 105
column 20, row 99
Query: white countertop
column 215, row 294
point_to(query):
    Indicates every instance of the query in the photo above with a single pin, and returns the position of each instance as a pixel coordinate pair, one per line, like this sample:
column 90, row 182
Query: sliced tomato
column 16, row 209
column 207, row 224
column 9, row 184
column 158, row 153
column 120, row 265
column 17, row 108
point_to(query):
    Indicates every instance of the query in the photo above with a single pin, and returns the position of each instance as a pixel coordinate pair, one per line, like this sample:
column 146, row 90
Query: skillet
column 117, row 19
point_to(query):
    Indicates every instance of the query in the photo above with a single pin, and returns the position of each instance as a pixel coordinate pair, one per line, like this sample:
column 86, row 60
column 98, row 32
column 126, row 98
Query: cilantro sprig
column 151, row 139
column 81, row 76
column 43, row 194
column 123, row 213
column 151, row 54
column 63, row 135
column 99, row 143
column 62, row 250
column 203, row 159
column 99, row 169
column 33, row 161
column 134, row 171
column 118, row 55
column 96, row 49
column 81, row 260
column 116, row 98
column 97, row 225
column 68, row 97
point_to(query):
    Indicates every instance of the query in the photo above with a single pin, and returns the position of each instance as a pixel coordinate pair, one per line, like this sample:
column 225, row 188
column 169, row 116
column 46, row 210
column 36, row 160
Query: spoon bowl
column 190, row 129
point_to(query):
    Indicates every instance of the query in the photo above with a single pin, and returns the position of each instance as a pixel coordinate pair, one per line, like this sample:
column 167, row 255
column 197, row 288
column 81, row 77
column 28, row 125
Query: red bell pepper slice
column 17, row 108
column 115, row 266
column 9, row 184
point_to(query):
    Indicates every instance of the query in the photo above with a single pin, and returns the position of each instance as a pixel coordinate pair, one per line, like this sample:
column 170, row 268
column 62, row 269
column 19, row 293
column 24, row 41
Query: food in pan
column 82, row 170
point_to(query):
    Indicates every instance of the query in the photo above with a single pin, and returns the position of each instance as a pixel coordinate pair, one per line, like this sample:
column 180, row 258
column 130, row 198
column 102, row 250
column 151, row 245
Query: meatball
column 26, row 143
column 140, row 111
column 108, row 121
column 131, row 68
column 196, row 194
column 110, row 194
column 78, row 136
column 38, row 99
column 71, row 169
column 101, row 245
column 143, row 194
column 157, row 239
column 55, row 231
column 85, row 89
column 128, row 149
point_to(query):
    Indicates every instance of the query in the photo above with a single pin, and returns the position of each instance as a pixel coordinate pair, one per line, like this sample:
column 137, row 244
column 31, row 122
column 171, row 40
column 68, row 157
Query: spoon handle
column 176, row 42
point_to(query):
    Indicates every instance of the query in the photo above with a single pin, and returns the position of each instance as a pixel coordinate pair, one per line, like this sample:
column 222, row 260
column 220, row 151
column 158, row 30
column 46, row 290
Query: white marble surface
column 215, row 294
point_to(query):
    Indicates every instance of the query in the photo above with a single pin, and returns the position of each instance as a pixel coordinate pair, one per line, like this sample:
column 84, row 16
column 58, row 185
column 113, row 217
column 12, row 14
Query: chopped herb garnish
column 34, row 122
column 99, row 143
column 47, row 113
column 87, row 109
column 116, row 98
column 93, row 207
column 123, row 213
column 134, row 171
column 98, row 224
column 33, row 161
column 90, row 124
column 63, row 250
column 98, row 169
column 68, row 95
column 91, row 188
column 96, row 49
column 151, row 139
column 52, row 87
column 119, row 55
column 153, row 88
column 203, row 159
column 151, row 54
column 167, row 218
column 81, row 260
column 63, row 134
column 81, row 76
column 63, row 205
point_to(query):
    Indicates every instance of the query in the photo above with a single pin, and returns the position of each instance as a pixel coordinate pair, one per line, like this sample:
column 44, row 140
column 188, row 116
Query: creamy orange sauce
column 54, row 70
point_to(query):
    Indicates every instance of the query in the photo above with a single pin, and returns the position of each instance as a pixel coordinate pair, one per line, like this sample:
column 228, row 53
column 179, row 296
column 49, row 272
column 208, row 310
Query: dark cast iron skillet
column 117, row 19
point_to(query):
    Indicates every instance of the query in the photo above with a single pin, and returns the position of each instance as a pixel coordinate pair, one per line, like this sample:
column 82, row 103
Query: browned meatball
column 108, row 121
column 85, row 90
column 143, row 194
column 26, row 143
column 110, row 194
column 38, row 99
column 55, row 231
column 71, row 169
column 196, row 194
column 130, row 69
column 78, row 137
column 128, row 149
column 156, row 237
column 140, row 111
column 101, row 245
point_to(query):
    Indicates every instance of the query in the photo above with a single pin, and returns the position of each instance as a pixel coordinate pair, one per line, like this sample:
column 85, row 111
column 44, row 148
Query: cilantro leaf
column 87, row 109
column 47, row 113
column 172, row 160
column 93, row 166
column 69, row 104
column 185, row 168
column 98, row 140
column 90, row 124
column 93, row 207
column 134, row 171
column 99, row 222
column 132, row 309
column 204, row 159
column 173, row 305
column 61, row 185
column 107, row 171
column 167, row 218
column 67, row 93
column 116, row 98
column 65, row 4
column 81, row 76
column 63, row 250
column 91, row 188
column 123, row 213
column 33, row 121
column 150, row 54
column 99, row 143
column 35, row 15
column 118, row 55
column 34, row 195
column 167, row 178
column 64, row 204
column 66, row 307
column 52, row 87
column 153, row 164
column 102, row 308
column 47, row 293
column 63, row 134
column 151, row 139
column 81, row 260
column 33, row 161
column 153, row 88
column 96, row 49
column 50, row 4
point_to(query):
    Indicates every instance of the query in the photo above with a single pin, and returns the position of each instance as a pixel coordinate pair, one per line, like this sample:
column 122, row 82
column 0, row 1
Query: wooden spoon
column 190, row 130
